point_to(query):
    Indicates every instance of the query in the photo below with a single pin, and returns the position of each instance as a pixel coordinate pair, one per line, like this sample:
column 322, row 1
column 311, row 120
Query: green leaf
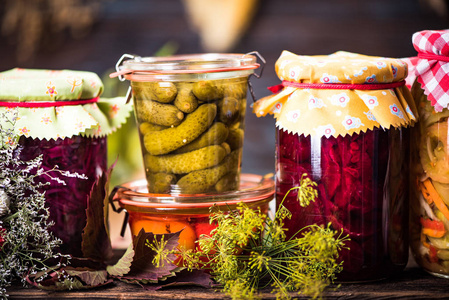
column 96, row 243
column 123, row 266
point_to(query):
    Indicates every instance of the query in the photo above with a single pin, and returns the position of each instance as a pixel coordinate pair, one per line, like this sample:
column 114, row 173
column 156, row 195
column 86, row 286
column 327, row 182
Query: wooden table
column 413, row 283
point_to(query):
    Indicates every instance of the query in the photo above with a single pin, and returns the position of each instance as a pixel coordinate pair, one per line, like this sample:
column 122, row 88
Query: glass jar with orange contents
column 161, row 214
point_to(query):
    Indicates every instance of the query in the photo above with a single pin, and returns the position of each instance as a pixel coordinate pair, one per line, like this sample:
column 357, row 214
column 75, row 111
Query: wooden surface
column 413, row 283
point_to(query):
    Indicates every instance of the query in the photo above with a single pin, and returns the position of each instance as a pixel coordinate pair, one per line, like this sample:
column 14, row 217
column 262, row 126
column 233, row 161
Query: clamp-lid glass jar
column 60, row 116
column 161, row 214
column 340, row 121
column 190, row 113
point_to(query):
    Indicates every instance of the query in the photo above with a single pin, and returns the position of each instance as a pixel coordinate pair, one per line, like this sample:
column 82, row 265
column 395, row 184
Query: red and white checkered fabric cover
column 411, row 76
column 432, row 71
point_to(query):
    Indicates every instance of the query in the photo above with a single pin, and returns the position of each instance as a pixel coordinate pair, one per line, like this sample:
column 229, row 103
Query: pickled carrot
column 439, row 203
column 425, row 193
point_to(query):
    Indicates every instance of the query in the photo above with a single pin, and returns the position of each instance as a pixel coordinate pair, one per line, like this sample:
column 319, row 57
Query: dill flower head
column 248, row 251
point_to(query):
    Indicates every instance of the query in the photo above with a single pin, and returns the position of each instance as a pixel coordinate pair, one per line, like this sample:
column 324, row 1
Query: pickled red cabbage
column 67, row 203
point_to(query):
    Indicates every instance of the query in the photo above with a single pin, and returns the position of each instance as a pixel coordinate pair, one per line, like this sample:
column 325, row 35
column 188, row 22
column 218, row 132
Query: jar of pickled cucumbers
column 190, row 114
column 342, row 122
column 429, row 217
column 60, row 117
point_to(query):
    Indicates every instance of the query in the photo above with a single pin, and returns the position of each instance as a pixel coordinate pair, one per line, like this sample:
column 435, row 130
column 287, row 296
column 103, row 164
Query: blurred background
column 92, row 35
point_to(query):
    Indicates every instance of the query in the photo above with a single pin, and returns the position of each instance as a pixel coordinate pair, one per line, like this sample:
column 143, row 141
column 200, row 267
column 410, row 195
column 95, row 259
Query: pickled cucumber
column 229, row 108
column 167, row 140
column 185, row 100
column 235, row 138
column 158, row 113
column 235, row 89
column 215, row 135
column 226, row 147
column 164, row 92
column 204, row 180
column 146, row 127
column 186, row 162
column 228, row 182
column 160, row 182
column 208, row 90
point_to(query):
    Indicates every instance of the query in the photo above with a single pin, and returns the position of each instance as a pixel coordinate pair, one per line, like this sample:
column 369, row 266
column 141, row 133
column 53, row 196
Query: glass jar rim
column 191, row 63
column 253, row 188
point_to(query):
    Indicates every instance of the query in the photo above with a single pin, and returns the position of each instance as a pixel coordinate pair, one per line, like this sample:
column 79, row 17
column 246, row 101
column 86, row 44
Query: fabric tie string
column 337, row 86
column 430, row 56
column 34, row 104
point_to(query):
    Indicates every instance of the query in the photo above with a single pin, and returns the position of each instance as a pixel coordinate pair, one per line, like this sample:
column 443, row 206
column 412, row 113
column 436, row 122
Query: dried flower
column 24, row 219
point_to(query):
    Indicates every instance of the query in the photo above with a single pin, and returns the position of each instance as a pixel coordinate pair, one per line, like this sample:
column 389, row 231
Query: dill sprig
column 248, row 251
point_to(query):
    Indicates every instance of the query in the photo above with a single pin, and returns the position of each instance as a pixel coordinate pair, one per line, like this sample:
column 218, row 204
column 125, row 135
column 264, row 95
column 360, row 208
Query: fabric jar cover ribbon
column 342, row 93
column 431, row 70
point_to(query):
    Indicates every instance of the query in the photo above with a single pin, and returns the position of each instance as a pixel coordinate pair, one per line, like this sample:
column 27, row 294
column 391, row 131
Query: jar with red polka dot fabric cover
column 59, row 116
column 342, row 120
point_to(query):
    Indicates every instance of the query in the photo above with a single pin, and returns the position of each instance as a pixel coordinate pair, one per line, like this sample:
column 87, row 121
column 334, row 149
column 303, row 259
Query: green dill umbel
column 27, row 244
column 248, row 251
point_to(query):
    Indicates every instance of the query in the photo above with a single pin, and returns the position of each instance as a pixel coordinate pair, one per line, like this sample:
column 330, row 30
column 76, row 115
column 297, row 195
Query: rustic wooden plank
column 413, row 283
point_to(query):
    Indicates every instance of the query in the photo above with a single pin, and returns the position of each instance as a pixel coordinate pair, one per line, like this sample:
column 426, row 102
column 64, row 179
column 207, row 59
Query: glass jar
column 61, row 117
column 68, row 203
column 161, row 214
column 190, row 113
column 342, row 120
column 362, row 191
column 429, row 215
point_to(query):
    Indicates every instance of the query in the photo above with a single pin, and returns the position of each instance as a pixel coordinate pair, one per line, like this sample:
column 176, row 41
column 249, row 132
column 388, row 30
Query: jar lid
column 339, row 94
column 52, row 104
column 133, row 196
column 137, row 68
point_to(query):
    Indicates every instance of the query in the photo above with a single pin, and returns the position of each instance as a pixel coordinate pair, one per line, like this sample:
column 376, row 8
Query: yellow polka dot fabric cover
column 333, row 112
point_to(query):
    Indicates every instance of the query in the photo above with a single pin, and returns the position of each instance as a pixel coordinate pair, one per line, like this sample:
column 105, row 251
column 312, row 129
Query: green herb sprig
column 248, row 251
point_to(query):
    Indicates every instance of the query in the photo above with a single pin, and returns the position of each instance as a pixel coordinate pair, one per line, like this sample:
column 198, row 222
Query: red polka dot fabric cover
column 347, row 110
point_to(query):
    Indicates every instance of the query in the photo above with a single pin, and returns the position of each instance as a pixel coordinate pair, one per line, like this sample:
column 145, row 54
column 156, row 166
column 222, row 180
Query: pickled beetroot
column 353, row 177
column 67, row 203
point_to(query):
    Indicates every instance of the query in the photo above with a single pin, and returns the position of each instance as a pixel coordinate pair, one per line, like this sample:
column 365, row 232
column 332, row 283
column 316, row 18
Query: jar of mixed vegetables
column 190, row 113
column 429, row 222
column 341, row 121
column 59, row 116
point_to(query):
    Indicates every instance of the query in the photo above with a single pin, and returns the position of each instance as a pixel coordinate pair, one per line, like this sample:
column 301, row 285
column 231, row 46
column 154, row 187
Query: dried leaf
column 73, row 278
column 142, row 267
column 96, row 242
column 89, row 277
column 123, row 266
column 184, row 277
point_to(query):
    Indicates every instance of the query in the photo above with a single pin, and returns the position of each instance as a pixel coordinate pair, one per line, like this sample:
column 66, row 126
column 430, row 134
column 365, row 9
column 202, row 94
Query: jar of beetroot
column 341, row 121
column 60, row 117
